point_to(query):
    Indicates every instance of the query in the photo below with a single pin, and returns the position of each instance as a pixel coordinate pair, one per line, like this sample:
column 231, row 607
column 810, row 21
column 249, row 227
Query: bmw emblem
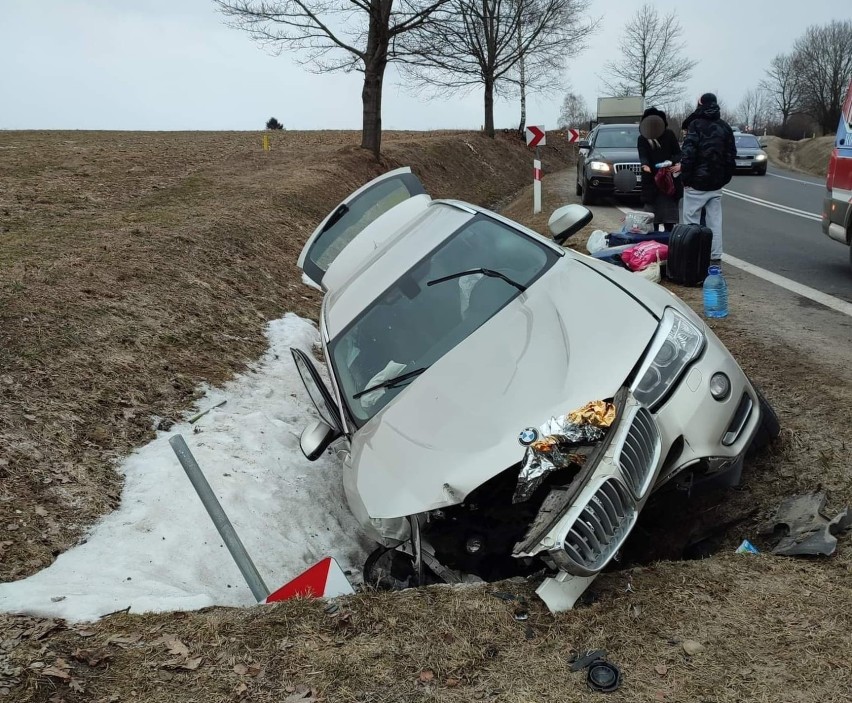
column 528, row 436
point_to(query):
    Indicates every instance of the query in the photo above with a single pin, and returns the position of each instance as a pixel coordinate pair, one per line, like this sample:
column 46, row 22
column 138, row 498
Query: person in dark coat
column 707, row 165
column 655, row 150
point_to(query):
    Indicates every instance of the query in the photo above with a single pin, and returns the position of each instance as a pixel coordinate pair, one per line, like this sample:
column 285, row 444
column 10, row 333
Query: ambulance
column 837, row 206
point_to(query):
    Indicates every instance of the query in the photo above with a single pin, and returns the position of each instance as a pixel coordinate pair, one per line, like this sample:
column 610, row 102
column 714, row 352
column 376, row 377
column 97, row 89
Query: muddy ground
column 135, row 266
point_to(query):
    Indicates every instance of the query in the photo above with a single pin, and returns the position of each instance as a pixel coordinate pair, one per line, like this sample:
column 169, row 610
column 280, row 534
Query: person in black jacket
column 707, row 165
column 658, row 144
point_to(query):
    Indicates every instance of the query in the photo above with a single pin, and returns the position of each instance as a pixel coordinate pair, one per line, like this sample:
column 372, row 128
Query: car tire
column 578, row 189
column 388, row 570
column 769, row 427
column 761, row 172
column 587, row 197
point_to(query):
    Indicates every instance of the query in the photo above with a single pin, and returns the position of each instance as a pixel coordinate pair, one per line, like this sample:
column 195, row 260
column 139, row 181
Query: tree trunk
column 489, row 108
column 375, row 62
column 523, row 100
column 371, row 98
column 523, row 84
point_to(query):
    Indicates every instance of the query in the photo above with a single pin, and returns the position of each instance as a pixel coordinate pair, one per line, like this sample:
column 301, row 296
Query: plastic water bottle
column 715, row 293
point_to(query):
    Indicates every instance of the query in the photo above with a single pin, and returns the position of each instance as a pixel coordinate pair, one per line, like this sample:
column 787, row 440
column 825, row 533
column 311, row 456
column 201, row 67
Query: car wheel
column 578, row 189
column 588, row 198
column 761, row 172
column 769, row 427
column 389, row 570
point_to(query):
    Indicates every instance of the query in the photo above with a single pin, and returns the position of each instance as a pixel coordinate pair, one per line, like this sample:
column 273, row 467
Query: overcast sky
column 173, row 64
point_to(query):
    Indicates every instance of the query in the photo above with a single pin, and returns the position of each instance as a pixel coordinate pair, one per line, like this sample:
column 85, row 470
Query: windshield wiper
column 491, row 273
column 391, row 382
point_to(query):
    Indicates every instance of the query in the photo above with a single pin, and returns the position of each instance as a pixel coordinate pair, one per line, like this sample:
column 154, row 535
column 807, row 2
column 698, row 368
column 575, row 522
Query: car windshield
column 413, row 324
column 747, row 141
column 625, row 138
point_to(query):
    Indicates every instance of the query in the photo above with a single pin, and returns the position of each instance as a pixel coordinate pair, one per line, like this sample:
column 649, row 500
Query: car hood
column 615, row 156
column 572, row 337
column 749, row 151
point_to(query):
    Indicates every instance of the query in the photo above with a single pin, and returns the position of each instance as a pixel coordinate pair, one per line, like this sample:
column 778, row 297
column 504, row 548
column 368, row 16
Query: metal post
column 220, row 519
column 537, row 182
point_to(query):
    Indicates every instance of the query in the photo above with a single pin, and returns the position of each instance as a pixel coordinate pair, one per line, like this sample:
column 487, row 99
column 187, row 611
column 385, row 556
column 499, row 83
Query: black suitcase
column 689, row 254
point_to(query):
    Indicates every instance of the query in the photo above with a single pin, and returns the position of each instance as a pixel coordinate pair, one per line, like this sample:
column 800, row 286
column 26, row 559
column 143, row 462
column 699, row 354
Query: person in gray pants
column 707, row 165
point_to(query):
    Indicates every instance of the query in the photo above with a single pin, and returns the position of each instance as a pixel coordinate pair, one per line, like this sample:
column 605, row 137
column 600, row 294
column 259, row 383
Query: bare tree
column 754, row 110
column 574, row 113
column 475, row 43
column 783, row 86
column 653, row 64
column 337, row 35
column 824, row 56
column 677, row 112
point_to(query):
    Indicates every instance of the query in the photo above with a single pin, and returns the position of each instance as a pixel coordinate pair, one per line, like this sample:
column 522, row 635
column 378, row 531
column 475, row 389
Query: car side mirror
column 583, row 144
column 316, row 439
column 568, row 220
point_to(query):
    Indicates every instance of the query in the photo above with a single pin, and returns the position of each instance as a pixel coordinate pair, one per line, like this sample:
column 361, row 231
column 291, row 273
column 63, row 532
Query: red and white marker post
column 536, row 137
column 325, row 579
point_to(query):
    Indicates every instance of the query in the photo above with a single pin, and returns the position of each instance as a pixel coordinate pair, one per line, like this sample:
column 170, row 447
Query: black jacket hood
column 703, row 112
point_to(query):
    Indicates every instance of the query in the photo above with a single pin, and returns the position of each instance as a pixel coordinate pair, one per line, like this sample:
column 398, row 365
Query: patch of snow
column 308, row 282
column 160, row 551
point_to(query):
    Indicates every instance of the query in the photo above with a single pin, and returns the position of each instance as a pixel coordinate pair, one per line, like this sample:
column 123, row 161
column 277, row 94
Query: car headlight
column 599, row 166
column 760, row 157
column 677, row 344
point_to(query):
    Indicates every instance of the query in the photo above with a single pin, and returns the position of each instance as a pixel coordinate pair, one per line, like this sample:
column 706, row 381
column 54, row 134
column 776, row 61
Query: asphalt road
column 773, row 221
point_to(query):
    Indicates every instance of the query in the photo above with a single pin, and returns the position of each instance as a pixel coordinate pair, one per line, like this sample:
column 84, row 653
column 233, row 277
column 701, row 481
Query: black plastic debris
column 803, row 530
column 603, row 676
column 581, row 661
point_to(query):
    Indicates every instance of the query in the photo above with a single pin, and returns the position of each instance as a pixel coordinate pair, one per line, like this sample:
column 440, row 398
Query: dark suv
column 610, row 148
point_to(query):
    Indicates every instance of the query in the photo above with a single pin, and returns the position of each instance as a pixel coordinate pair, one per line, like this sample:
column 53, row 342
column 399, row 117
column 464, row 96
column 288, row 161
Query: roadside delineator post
column 537, row 183
column 536, row 138
column 325, row 579
column 266, row 142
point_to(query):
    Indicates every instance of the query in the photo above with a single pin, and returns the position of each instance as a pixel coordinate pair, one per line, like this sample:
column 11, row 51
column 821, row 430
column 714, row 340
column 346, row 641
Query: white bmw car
column 449, row 330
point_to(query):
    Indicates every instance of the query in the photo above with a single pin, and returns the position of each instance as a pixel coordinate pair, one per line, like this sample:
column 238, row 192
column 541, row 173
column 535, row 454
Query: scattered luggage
column 689, row 254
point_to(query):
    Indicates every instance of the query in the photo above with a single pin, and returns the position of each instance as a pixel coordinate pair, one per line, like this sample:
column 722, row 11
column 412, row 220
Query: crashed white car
column 448, row 331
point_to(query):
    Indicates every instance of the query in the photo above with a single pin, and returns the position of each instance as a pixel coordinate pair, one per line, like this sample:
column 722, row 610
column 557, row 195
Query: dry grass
column 808, row 155
column 215, row 256
column 134, row 266
column 445, row 644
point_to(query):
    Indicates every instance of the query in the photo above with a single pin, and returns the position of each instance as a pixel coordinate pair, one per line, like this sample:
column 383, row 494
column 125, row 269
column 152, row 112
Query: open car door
column 352, row 216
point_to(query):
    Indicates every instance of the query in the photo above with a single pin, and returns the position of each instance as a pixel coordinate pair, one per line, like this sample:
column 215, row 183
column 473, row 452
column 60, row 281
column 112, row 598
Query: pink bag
column 641, row 256
column 665, row 182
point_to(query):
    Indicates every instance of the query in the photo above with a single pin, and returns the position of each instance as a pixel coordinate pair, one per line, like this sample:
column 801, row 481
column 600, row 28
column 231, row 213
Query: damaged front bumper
column 582, row 526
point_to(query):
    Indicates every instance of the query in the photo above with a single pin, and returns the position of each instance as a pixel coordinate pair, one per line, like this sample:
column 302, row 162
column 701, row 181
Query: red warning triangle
column 325, row 579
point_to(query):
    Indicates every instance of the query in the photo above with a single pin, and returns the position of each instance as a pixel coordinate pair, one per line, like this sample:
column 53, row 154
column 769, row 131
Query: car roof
column 397, row 253
column 375, row 274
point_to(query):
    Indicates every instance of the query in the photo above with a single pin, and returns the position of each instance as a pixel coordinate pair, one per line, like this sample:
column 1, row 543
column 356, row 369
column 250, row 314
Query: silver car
column 447, row 330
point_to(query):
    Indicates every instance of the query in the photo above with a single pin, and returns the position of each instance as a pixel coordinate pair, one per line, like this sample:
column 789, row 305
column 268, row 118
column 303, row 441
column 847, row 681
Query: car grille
column 600, row 528
column 635, row 168
column 745, row 157
column 640, row 452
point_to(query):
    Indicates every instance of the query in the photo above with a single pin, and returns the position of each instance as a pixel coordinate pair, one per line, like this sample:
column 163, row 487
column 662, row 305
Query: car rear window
column 412, row 324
